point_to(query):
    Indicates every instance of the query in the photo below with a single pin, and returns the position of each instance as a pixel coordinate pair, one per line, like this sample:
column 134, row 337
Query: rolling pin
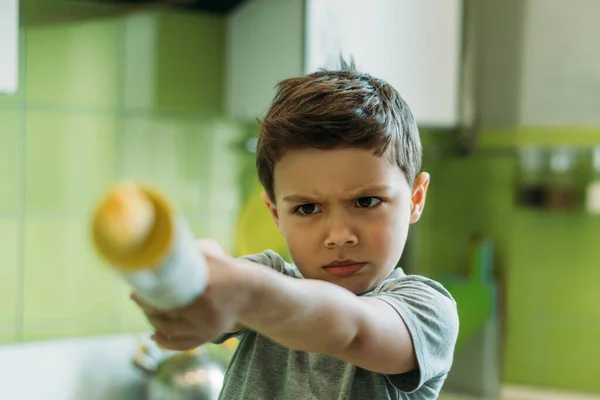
column 139, row 234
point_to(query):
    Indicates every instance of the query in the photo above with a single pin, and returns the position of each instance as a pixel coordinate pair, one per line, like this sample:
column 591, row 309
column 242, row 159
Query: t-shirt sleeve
column 431, row 316
column 269, row 259
column 273, row 260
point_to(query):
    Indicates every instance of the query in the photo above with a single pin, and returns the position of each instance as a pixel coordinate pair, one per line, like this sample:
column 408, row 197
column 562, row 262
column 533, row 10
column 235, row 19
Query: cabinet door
column 264, row 46
column 560, row 81
column 414, row 45
column 8, row 45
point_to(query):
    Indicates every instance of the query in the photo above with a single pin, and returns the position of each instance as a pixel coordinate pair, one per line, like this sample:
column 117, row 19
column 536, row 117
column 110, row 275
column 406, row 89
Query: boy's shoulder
column 275, row 261
column 398, row 280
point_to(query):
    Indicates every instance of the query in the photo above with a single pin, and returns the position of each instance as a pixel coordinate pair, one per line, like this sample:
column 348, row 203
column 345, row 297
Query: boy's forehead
column 320, row 172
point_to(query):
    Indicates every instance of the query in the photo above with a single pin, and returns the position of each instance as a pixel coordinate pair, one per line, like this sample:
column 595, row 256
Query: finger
column 175, row 328
column 179, row 344
column 147, row 308
column 152, row 311
column 165, row 337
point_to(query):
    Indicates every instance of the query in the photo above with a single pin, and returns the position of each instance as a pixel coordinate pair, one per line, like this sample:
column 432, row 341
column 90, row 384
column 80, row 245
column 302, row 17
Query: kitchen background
column 166, row 95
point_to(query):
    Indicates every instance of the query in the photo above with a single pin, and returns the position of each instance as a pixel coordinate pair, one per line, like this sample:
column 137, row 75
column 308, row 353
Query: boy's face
column 344, row 213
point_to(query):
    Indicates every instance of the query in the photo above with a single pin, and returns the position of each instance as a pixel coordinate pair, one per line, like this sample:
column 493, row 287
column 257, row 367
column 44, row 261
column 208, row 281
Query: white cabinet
column 414, row 45
column 9, row 23
column 538, row 63
column 560, row 80
column 264, row 45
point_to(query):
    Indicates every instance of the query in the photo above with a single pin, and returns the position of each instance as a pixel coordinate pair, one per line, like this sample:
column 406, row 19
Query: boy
column 339, row 156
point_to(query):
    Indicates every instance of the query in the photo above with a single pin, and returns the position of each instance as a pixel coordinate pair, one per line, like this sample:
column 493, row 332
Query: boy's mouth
column 344, row 268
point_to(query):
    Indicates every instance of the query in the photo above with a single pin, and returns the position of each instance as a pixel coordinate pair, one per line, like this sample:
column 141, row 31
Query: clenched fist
column 213, row 313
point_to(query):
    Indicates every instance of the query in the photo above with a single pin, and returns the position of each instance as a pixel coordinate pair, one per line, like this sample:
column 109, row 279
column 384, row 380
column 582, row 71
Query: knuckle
column 158, row 323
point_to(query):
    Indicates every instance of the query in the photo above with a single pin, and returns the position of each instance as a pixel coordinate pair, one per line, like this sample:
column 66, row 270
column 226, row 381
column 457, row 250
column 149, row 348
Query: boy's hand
column 214, row 312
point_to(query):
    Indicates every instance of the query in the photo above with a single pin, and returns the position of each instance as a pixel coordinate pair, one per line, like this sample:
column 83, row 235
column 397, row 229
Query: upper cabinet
column 9, row 23
column 414, row 45
column 560, row 80
column 538, row 63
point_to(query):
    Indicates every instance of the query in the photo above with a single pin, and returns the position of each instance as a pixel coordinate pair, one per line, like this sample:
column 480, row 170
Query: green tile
column 572, row 355
column 194, row 163
column 197, row 82
column 171, row 154
column 37, row 12
column 555, row 352
column 579, row 296
column 174, row 61
column 140, row 41
column 554, row 254
column 525, row 359
column 522, row 294
column 222, row 229
column 71, row 160
column 216, row 226
column 9, row 278
column 130, row 318
column 74, row 64
column 10, row 161
column 200, row 224
column 67, row 290
column 448, row 218
column 227, row 156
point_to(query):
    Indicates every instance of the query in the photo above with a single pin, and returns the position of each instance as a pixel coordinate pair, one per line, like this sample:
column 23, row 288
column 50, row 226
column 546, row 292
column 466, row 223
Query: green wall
column 547, row 261
column 131, row 97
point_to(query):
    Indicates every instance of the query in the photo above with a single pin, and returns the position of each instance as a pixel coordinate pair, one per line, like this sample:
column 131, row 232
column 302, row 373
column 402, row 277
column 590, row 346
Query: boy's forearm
column 301, row 314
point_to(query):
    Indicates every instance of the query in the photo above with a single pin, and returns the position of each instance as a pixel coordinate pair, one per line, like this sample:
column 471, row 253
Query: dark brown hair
column 338, row 108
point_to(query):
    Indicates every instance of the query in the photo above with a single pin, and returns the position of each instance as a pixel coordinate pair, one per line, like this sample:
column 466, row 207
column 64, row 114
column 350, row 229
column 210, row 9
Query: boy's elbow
column 374, row 357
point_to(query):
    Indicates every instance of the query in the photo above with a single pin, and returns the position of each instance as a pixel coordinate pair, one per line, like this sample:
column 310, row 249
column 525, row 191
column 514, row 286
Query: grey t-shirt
column 264, row 370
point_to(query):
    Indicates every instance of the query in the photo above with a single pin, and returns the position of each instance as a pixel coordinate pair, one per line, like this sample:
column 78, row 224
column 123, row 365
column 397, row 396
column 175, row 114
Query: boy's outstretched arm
column 321, row 317
column 301, row 314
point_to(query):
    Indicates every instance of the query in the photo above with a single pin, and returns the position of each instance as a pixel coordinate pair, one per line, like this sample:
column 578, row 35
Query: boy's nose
column 340, row 235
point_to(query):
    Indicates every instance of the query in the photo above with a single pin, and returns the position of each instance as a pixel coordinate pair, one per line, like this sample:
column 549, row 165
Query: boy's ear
column 271, row 207
column 419, row 193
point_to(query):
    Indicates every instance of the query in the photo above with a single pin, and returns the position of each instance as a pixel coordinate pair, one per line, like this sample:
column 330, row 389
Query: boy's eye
column 308, row 209
column 367, row 202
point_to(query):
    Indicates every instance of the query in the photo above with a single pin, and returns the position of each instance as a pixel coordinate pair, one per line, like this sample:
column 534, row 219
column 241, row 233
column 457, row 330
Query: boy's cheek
column 299, row 251
column 386, row 240
column 303, row 251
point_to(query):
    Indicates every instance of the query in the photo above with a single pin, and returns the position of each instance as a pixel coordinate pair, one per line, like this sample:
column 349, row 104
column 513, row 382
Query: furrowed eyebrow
column 298, row 198
column 370, row 190
column 360, row 192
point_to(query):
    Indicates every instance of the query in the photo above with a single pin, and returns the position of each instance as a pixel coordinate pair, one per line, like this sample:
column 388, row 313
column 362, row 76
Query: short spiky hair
column 338, row 108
